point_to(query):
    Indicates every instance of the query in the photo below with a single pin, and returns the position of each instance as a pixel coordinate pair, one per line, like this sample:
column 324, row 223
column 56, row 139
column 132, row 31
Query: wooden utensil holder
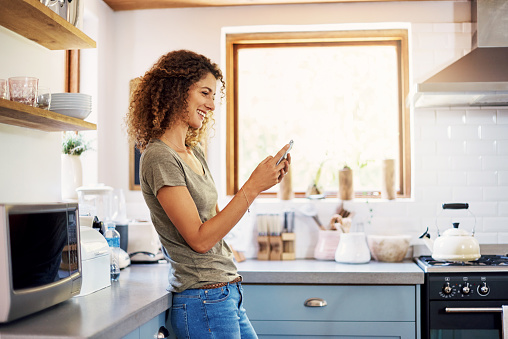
column 275, row 247
column 264, row 247
column 288, row 246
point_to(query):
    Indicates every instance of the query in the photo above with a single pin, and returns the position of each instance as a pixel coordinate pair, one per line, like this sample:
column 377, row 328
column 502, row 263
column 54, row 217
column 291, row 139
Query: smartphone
column 285, row 154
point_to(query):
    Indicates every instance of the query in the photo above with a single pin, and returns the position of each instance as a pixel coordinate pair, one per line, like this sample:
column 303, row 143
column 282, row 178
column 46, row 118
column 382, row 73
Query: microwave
column 40, row 257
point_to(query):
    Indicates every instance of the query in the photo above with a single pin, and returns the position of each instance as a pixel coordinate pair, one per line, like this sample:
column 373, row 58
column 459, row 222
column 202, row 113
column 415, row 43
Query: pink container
column 23, row 89
column 327, row 245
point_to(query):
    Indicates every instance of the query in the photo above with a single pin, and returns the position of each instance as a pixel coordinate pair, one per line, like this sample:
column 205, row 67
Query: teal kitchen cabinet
column 333, row 311
column 154, row 328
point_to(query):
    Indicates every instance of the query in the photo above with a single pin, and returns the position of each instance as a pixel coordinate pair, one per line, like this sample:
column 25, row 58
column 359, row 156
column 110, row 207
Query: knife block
column 288, row 246
column 264, row 247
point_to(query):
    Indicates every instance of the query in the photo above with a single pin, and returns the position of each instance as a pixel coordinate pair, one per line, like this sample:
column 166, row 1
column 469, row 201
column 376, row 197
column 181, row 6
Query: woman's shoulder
column 157, row 150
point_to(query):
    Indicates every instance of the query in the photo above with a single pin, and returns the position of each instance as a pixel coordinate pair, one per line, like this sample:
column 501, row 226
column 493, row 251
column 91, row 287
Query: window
column 338, row 94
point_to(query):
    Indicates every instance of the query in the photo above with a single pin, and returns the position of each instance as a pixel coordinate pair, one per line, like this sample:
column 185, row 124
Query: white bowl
column 389, row 248
column 73, row 112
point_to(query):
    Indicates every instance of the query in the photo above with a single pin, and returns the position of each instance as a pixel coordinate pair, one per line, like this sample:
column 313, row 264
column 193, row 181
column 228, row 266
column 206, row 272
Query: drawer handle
column 315, row 302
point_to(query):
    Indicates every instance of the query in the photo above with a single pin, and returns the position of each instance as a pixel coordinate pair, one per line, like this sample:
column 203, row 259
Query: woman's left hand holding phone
column 268, row 173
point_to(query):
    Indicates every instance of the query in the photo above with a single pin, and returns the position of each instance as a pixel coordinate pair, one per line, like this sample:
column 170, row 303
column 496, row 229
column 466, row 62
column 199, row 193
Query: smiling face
column 201, row 100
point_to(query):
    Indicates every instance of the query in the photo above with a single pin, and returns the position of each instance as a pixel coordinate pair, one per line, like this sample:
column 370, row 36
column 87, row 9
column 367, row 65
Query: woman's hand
column 268, row 173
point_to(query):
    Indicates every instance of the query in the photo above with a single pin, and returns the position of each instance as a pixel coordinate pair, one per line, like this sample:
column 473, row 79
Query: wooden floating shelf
column 18, row 114
column 34, row 21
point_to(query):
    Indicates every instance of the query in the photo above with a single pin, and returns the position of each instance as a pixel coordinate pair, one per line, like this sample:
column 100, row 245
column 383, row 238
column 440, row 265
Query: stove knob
column 466, row 289
column 447, row 289
column 484, row 289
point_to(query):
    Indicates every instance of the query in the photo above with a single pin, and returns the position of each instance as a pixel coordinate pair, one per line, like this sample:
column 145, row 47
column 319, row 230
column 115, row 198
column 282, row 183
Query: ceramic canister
column 353, row 249
column 327, row 244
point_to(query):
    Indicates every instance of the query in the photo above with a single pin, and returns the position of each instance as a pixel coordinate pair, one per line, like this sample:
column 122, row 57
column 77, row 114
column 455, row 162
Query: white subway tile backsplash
column 484, row 209
column 430, row 41
column 503, row 209
column 481, row 147
column 435, row 162
column 502, row 116
column 495, row 224
column 482, row 178
column 437, row 193
column 467, row 193
column 467, row 162
column 502, row 238
column 502, row 178
column 447, row 27
column 448, row 147
column 453, row 117
column 434, row 132
column 502, row 147
column 496, row 132
column 487, row 238
column 427, row 147
column 495, row 162
column 483, row 116
column 499, row 193
column 425, row 117
column 452, row 178
column 425, row 178
column 466, row 132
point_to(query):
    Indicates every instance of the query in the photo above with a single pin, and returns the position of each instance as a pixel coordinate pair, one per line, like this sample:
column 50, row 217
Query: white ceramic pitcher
column 353, row 249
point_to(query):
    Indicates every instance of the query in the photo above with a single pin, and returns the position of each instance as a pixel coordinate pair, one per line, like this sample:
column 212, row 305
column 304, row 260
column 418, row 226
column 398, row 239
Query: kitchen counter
column 330, row 273
column 137, row 297
column 141, row 294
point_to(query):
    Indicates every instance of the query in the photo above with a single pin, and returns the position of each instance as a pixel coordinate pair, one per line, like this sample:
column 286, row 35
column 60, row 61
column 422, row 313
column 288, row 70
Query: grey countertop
column 138, row 296
column 330, row 272
column 141, row 294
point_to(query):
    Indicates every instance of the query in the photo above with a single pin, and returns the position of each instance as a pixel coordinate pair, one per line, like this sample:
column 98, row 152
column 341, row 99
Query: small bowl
column 389, row 248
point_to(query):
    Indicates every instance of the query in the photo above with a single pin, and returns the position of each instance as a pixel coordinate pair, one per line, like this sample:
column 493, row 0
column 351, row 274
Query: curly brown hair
column 160, row 98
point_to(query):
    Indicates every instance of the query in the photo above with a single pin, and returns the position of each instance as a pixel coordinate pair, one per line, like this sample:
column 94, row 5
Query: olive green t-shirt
column 161, row 166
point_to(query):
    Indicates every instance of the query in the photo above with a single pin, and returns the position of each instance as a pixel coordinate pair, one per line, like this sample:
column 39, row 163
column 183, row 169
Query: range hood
column 480, row 78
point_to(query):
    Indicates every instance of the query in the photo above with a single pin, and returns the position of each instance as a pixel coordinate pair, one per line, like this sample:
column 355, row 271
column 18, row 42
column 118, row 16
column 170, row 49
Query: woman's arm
column 181, row 209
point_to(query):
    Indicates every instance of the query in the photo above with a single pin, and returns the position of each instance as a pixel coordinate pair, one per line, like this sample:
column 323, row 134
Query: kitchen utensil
column 23, row 89
column 454, row 244
column 309, row 210
column 3, row 89
column 352, row 249
column 389, row 248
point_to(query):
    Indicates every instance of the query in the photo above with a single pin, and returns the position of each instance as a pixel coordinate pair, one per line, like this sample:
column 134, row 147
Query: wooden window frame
column 235, row 41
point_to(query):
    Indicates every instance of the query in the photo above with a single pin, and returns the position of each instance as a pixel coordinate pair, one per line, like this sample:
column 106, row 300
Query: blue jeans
column 211, row 314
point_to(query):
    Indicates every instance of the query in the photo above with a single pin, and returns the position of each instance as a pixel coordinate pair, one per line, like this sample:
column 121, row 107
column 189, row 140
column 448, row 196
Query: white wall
column 459, row 155
column 30, row 159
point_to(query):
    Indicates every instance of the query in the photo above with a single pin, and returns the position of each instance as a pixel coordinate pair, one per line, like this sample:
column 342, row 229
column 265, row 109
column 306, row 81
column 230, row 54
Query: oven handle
column 503, row 310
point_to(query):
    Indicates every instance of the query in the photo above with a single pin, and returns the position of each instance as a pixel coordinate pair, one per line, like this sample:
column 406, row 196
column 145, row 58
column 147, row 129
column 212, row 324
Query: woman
column 168, row 117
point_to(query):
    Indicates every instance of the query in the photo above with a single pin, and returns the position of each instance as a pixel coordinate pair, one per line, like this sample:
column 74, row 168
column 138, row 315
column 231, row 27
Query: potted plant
column 73, row 145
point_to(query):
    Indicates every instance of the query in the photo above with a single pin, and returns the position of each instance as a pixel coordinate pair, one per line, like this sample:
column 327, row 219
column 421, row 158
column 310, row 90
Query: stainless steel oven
column 466, row 300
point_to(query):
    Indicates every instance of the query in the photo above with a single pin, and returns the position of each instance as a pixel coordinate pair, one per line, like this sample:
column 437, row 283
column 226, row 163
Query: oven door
column 464, row 319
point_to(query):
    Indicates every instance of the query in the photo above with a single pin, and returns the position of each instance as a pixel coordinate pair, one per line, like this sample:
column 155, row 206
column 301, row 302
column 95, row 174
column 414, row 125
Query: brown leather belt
column 222, row 284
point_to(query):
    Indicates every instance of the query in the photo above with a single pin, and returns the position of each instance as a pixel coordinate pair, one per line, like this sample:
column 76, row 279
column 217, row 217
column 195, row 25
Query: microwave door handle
column 503, row 310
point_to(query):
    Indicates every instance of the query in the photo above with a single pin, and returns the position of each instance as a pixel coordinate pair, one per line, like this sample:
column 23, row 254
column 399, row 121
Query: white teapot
column 454, row 244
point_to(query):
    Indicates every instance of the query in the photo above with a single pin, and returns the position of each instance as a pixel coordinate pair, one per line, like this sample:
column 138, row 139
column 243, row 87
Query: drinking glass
column 43, row 99
column 23, row 89
column 3, row 89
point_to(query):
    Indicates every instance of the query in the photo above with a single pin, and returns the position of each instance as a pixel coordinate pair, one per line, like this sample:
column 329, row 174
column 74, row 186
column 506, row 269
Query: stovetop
column 486, row 263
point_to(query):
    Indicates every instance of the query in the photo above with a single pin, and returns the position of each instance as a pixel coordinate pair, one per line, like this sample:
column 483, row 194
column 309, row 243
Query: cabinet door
column 151, row 328
column 348, row 303
column 334, row 330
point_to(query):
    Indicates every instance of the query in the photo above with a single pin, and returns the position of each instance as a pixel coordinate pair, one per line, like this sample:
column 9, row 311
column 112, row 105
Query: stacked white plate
column 77, row 105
